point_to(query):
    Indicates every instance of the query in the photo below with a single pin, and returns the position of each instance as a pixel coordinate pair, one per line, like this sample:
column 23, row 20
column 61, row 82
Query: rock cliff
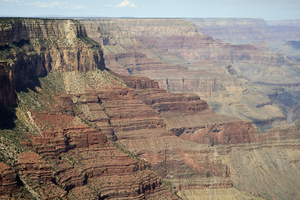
column 153, row 55
column 280, row 37
column 8, row 180
column 35, row 47
column 60, row 156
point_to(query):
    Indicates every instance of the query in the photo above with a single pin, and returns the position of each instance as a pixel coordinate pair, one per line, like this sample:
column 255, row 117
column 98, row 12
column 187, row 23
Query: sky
column 270, row 10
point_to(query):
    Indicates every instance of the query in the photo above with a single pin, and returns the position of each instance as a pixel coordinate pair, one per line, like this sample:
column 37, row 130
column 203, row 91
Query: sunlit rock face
column 181, row 59
column 35, row 47
column 57, row 73
column 85, row 132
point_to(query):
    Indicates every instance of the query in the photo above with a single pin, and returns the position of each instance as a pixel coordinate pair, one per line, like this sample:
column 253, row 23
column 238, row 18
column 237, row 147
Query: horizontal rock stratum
column 82, row 131
column 168, row 51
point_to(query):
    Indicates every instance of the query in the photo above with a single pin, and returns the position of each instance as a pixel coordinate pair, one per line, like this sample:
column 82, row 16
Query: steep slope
column 140, row 120
column 72, row 160
column 277, row 79
column 53, row 153
column 93, row 134
column 33, row 47
column 226, row 92
column 255, row 63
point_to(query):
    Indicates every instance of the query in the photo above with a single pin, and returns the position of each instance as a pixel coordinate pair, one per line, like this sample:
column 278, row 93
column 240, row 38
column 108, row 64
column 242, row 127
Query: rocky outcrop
column 8, row 96
column 71, row 157
column 171, row 155
column 138, row 82
column 17, row 30
column 34, row 48
column 138, row 120
column 37, row 176
column 159, row 27
column 8, row 181
column 220, row 133
column 81, row 160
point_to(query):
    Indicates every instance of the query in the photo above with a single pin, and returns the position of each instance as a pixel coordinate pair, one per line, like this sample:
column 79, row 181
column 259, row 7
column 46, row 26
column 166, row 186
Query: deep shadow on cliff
column 7, row 117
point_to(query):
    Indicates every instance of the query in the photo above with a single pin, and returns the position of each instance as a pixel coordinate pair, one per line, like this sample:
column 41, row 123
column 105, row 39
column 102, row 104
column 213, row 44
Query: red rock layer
column 36, row 173
column 8, row 182
column 81, row 160
column 173, row 102
column 138, row 121
column 138, row 82
column 236, row 132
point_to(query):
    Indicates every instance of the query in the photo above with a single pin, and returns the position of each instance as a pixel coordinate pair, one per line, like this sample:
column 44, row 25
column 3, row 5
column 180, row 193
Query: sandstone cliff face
column 72, row 160
column 16, row 30
column 33, row 48
column 190, row 128
column 266, row 70
column 159, row 27
column 7, row 179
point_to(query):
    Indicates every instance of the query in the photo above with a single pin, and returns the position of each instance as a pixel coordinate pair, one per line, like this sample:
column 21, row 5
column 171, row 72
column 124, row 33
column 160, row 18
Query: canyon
column 236, row 80
column 94, row 108
column 249, row 30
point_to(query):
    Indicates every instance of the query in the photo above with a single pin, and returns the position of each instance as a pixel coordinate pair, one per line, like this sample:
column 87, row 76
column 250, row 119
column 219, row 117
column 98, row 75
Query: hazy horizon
column 265, row 9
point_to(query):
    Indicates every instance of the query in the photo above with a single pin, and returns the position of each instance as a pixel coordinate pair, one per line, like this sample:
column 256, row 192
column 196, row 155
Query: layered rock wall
column 177, row 134
column 161, row 53
column 33, row 48
column 16, row 30
column 8, row 181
